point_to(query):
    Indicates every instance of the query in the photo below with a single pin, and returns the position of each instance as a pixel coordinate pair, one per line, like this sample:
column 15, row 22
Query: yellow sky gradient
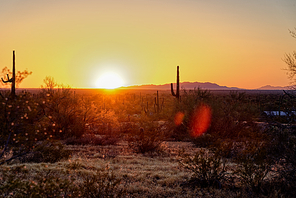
column 231, row 42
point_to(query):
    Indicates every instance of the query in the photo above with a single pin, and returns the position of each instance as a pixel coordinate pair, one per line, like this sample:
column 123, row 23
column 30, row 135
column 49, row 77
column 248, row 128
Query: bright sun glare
column 109, row 80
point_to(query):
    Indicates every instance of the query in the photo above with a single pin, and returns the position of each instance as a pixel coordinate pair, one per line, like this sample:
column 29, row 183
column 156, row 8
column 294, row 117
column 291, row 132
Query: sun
column 109, row 80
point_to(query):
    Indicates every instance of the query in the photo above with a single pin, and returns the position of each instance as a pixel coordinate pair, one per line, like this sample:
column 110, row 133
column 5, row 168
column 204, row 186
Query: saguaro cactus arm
column 172, row 89
column 6, row 81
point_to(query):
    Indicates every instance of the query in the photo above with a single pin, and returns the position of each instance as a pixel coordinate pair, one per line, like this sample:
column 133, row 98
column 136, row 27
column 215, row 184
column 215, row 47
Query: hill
column 269, row 87
column 185, row 85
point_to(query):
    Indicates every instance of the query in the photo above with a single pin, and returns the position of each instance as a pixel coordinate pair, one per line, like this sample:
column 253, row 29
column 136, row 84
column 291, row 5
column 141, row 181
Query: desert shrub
column 205, row 140
column 282, row 152
column 253, row 165
column 189, row 102
column 128, row 127
column 180, row 133
column 91, row 139
column 108, row 140
column 77, row 141
column 17, row 181
column 227, row 148
column 61, row 113
column 146, row 140
column 232, row 115
column 11, row 182
column 75, row 165
column 207, row 169
column 68, row 114
column 108, row 122
column 101, row 184
column 47, row 151
column 19, row 131
column 282, row 144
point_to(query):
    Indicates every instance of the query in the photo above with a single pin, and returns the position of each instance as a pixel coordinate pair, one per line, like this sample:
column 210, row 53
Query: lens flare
column 179, row 118
column 201, row 120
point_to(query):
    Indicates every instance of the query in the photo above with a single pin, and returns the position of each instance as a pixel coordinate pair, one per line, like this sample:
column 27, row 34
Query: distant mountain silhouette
column 269, row 87
column 185, row 85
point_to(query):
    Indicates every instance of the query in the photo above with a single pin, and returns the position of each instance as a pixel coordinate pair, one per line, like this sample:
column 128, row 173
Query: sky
column 235, row 43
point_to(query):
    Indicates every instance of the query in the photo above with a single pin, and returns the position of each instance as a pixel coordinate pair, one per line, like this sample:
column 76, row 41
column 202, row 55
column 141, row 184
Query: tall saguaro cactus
column 177, row 94
column 12, row 79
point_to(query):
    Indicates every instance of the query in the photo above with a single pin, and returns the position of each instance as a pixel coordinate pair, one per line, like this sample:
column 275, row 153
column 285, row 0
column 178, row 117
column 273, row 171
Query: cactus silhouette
column 156, row 103
column 11, row 80
column 177, row 94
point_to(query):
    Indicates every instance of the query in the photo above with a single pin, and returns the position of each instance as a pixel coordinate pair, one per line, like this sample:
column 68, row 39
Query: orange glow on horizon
column 109, row 80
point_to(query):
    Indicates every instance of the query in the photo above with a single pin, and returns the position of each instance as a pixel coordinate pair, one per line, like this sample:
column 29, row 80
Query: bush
column 101, row 184
column 19, row 132
column 91, row 139
column 146, row 141
column 180, row 133
column 47, row 151
column 61, row 113
column 232, row 115
column 207, row 168
column 18, row 181
column 205, row 141
column 253, row 165
column 282, row 152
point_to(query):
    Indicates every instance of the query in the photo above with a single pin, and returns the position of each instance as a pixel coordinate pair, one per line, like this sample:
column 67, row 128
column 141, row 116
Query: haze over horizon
column 203, row 85
column 233, row 43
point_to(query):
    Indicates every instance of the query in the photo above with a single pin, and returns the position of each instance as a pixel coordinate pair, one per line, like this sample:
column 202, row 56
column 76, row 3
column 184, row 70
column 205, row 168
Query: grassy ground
column 141, row 175
column 149, row 176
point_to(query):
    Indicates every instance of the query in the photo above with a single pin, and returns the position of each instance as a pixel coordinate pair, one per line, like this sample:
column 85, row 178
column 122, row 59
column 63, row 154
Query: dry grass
column 141, row 176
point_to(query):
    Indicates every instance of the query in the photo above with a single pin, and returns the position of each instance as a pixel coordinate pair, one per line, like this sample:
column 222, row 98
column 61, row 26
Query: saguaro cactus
column 156, row 103
column 177, row 94
column 157, row 106
column 11, row 80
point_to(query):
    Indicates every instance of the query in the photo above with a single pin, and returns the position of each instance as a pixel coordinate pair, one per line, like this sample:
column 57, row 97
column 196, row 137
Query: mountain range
column 202, row 85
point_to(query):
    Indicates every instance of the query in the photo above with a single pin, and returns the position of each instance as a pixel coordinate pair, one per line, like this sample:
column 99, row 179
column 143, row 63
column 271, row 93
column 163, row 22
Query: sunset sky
column 235, row 43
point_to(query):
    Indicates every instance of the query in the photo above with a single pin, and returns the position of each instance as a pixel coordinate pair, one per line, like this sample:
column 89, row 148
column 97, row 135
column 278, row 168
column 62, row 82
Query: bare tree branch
column 290, row 60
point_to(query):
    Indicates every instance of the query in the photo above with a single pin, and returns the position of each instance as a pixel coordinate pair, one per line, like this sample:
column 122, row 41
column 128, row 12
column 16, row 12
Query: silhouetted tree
column 19, row 76
column 290, row 60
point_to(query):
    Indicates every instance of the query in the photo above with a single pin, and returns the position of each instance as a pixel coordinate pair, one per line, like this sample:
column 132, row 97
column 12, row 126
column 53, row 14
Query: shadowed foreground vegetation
column 60, row 143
